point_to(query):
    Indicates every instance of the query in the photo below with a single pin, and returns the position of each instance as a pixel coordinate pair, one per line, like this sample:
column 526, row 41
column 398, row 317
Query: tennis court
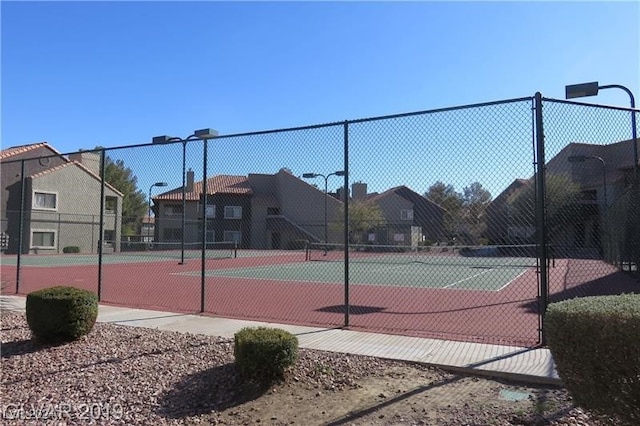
column 468, row 268
column 452, row 274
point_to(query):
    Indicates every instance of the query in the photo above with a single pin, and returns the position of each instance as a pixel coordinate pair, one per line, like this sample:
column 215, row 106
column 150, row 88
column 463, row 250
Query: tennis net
column 173, row 250
column 505, row 256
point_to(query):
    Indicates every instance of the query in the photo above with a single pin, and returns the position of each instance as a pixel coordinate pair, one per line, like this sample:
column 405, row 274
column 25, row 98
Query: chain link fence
column 423, row 224
column 592, row 198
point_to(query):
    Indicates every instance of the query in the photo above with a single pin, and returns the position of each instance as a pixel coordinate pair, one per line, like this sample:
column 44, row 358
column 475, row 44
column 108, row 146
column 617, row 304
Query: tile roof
column 49, row 170
column 224, row 184
column 82, row 167
column 16, row 150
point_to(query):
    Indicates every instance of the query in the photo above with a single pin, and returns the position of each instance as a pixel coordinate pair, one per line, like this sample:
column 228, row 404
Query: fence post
column 541, row 216
column 101, row 225
column 59, row 232
column 204, row 226
column 346, row 223
column 20, row 226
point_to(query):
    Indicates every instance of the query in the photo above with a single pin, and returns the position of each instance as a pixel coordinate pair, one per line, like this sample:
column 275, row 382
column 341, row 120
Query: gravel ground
column 137, row 376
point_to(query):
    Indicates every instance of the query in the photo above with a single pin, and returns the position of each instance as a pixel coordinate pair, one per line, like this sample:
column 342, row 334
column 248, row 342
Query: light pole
column 591, row 89
column 582, row 159
column 196, row 135
column 326, row 194
column 149, row 215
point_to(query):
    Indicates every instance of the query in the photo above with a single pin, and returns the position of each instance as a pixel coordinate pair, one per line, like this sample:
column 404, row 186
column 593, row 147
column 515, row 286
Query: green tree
column 465, row 219
column 475, row 200
column 446, row 197
column 561, row 203
column 364, row 216
column 134, row 202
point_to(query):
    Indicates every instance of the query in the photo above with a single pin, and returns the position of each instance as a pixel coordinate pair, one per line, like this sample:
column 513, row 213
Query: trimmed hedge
column 61, row 314
column 264, row 353
column 71, row 249
column 595, row 342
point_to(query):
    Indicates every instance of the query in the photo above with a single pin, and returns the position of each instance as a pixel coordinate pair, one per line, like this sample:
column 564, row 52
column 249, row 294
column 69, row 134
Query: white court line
column 290, row 265
column 468, row 278
column 507, row 284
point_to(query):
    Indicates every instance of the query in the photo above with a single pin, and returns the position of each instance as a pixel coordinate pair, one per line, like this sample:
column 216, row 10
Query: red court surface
column 509, row 316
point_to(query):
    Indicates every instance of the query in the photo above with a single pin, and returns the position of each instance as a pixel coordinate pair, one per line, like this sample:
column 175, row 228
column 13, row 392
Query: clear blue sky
column 82, row 74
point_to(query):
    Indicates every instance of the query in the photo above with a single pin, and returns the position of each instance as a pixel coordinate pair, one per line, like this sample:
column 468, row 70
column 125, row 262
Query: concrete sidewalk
column 522, row 364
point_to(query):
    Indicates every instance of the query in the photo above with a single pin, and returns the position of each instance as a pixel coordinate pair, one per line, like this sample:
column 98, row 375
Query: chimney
column 89, row 159
column 342, row 193
column 359, row 191
column 189, row 187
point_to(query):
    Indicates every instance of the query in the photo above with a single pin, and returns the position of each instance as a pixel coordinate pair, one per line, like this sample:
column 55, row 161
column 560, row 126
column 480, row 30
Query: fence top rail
column 591, row 105
column 438, row 110
column 285, row 130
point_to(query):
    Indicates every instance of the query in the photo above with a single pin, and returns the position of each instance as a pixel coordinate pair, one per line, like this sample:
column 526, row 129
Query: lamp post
column 591, row 89
column 203, row 134
column 326, row 195
column 149, row 214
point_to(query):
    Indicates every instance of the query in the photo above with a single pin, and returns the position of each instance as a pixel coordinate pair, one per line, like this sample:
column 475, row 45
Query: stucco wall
column 76, row 219
column 304, row 204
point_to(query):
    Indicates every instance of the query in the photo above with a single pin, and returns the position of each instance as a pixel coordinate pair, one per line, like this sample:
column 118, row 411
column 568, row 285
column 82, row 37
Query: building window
column 45, row 200
column 235, row 236
column 210, row 210
column 232, row 212
column 173, row 210
column 172, row 234
column 110, row 205
column 43, row 239
column 406, row 214
column 109, row 236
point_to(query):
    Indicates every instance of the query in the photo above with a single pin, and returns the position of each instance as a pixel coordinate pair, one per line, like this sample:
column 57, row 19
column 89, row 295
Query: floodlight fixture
column 581, row 90
column 206, row 133
column 163, row 139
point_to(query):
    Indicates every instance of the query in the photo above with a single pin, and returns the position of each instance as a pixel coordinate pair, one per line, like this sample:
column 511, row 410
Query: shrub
column 71, row 249
column 61, row 314
column 264, row 353
column 594, row 342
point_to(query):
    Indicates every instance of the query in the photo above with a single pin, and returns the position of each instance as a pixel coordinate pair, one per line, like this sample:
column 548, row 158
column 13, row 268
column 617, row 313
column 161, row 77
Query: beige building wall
column 304, row 204
column 76, row 218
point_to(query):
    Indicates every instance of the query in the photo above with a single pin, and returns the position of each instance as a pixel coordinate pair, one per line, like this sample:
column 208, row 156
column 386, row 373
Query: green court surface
column 449, row 275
